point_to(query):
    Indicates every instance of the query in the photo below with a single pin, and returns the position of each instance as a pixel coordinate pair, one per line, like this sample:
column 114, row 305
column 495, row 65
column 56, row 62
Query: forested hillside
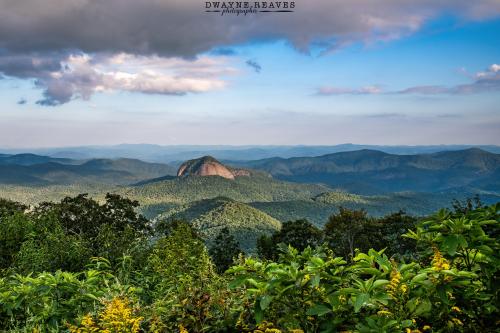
column 210, row 216
column 35, row 170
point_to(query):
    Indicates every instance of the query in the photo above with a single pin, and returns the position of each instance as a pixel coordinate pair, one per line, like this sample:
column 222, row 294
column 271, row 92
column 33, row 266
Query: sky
column 91, row 72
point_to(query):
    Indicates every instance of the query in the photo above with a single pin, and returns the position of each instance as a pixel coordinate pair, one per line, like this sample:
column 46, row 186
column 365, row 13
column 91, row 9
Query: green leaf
column 265, row 301
column 315, row 281
column 318, row 262
column 419, row 277
column 423, row 307
column 318, row 310
column 238, row 281
column 371, row 271
column 258, row 313
column 450, row 244
column 360, row 300
column 462, row 241
column 379, row 283
column 441, row 292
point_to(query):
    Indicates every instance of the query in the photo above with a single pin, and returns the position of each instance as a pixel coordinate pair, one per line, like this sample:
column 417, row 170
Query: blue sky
column 435, row 84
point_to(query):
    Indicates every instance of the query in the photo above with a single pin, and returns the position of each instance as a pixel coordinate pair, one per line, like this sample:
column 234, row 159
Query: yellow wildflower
column 439, row 263
column 384, row 313
column 393, row 285
column 182, row 329
column 404, row 288
column 116, row 317
column 456, row 309
column 426, row 328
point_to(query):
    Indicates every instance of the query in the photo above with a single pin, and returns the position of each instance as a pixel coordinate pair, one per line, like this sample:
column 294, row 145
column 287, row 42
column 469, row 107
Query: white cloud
column 485, row 81
column 81, row 75
column 330, row 90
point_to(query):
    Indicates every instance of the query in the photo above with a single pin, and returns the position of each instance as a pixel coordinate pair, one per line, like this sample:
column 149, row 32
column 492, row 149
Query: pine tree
column 224, row 250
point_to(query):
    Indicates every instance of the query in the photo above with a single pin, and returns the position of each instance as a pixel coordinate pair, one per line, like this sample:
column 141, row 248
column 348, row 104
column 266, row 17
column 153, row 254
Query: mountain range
column 179, row 153
column 366, row 172
column 376, row 172
column 254, row 197
column 31, row 169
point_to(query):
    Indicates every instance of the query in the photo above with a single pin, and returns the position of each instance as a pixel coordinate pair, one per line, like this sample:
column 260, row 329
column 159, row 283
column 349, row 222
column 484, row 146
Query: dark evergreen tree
column 466, row 206
column 298, row 234
column 346, row 231
column 8, row 208
column 224, row 250
column 389, row 236
column 266, row 249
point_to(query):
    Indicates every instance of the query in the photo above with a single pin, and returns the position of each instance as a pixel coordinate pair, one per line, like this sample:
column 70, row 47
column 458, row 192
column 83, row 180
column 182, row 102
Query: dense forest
column 81, row 265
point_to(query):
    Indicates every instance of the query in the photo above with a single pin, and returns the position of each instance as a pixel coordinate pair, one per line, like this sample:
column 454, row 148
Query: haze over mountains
column 181, row 153
column 363, row 171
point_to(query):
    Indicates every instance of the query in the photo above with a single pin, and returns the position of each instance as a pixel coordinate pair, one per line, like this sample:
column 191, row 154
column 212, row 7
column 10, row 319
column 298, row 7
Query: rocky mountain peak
column 205, row 166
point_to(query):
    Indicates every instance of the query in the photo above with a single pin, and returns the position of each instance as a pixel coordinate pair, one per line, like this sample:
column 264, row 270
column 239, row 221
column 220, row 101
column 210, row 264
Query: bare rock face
column 240, row 172
column 205, row 166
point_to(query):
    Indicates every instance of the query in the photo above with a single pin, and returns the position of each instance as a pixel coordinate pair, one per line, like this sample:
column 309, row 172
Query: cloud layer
column 68, row 46
column 486, row 81
column 182, row 28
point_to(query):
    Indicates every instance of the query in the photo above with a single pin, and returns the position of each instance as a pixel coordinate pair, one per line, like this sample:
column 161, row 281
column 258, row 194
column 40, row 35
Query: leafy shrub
column 453, row 289
column 183, row 285
column 49, row 300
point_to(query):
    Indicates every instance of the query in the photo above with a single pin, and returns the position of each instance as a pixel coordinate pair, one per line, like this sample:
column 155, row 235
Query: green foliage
column 243, row 189
column 208, row 217
column 33, row 195
column 14, row 229
column 468, row 242
column 299, row 234
column 9, row 207
column 49, row 248
column 387, row 233
column 180, row 253
column 109, row 230
column 442, row 277
column 350, row 230
column 67, row 234
column 47, row 301
column 182, row 283
column 345, row 231
column 83, row 216
column 286, row 292
column 453, row 289
column 224, row 250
